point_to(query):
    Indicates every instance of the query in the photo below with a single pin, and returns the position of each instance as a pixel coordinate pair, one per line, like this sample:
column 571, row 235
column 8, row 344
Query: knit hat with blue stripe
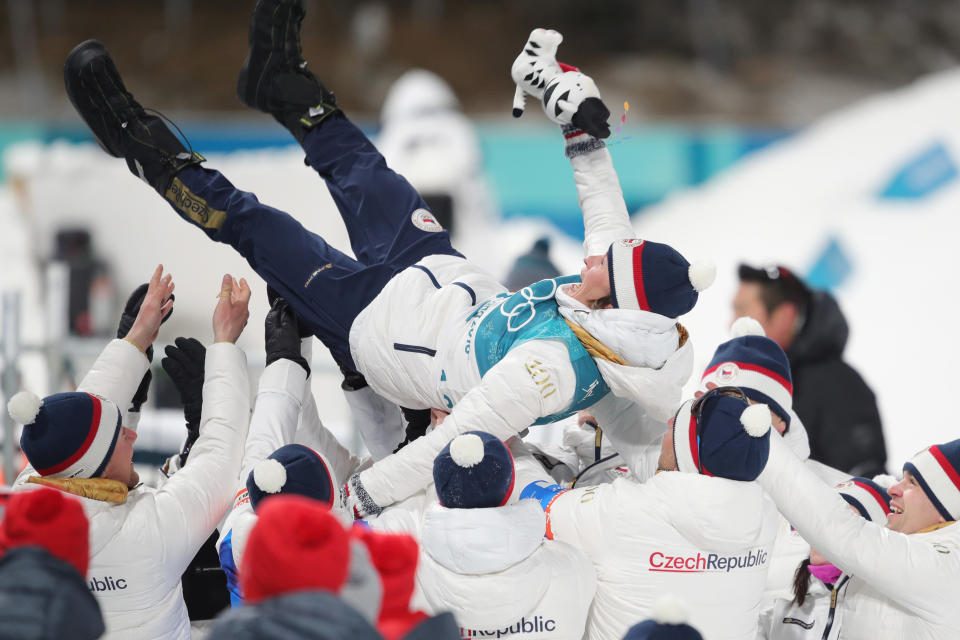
column 758, row 366
column 66, row 435
column 866, row 496
column 291, row 469
column 937, row 470
column 650, row 276
column 720, row 435
column 475, row 470
column 668, row 621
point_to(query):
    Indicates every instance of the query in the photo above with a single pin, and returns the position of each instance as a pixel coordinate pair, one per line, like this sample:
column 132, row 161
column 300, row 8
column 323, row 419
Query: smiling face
column 910, row 508
column 594, row 281
column 120, row 466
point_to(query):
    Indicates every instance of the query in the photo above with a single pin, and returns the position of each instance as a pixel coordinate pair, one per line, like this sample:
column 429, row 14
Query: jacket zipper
column 834, row 593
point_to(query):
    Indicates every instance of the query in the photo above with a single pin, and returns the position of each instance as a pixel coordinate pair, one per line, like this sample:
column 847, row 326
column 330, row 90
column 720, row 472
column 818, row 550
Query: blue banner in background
column 525, row 164
column 922, row 174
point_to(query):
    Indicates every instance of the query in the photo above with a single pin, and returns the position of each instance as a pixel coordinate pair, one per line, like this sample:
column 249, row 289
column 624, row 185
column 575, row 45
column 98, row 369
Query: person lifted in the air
column 423, row 325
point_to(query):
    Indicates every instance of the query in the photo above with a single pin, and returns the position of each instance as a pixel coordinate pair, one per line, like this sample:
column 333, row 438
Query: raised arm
column 193, row 501
column 908, row 569
column 605, row 216
column 507, row 401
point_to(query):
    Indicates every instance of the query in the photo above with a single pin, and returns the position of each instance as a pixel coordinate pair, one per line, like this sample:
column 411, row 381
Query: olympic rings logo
column 525, row 311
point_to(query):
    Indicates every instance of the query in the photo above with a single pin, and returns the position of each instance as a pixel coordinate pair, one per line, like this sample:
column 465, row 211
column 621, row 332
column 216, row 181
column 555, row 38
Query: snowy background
column 865, row 201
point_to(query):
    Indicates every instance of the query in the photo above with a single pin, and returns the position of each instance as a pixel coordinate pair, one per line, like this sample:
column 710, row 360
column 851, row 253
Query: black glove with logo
column 185, row 366
column 281, row 335
column 130, row 311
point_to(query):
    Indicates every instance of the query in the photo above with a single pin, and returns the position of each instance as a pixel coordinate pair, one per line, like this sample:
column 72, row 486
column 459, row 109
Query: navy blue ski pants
column 327, row 288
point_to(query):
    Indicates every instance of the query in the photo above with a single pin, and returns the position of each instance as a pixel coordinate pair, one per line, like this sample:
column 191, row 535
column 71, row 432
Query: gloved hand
column 355, row 500
column 281, row 335
column 130, row 311
column 185, row 366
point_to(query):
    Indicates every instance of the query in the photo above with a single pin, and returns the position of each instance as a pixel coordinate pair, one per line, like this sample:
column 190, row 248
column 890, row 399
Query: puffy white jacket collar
column 481, row 541
column 641, row 338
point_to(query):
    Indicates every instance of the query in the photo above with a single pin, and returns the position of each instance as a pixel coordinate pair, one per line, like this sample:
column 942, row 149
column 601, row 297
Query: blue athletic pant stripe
column 429, row 273
column 413, row 348
column 465, row 287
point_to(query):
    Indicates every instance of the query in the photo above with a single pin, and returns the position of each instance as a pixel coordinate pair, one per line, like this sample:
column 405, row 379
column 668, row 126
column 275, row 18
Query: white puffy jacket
column 139, row 549
column 285, row 412
column 493, row 569
column 707, row 540
column 410, row 344
column 903, row 586
column 820, row 617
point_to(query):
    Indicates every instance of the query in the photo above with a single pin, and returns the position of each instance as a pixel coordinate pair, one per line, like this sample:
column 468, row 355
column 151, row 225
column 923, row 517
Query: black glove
column 185, row 366
column 141, row 395
column 591, row 116
column 130, row 311
column 281, row 335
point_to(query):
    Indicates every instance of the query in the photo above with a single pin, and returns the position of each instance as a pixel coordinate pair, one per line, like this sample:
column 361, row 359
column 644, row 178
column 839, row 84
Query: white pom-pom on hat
column 467, row 450
column 756, row 420
column 884, row 480
column 746, row 326
column 270, row 475
column 669, row 609
column 24, row 407
column 702, row 274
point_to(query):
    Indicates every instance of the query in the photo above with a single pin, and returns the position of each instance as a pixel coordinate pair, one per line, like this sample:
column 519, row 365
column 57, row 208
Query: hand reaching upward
column 231, row 314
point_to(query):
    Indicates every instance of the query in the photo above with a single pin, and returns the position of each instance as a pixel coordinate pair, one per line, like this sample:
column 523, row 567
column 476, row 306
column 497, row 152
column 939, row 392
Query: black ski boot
column 274, row 77
column 117, row 120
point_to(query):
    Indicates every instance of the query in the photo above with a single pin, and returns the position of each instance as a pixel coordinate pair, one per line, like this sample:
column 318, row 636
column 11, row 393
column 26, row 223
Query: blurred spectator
column 532, row 266
column 395, row 558
column 426, row 138
column 44, row 554
column 837, row 407
column 91, row 297
column 296, row 563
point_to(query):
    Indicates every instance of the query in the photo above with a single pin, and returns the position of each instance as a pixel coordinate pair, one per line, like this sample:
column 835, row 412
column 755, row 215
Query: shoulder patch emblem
column 425, row 221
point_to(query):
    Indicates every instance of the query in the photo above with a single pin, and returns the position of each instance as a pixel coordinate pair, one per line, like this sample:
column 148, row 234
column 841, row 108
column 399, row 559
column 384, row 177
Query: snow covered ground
column 787, row 203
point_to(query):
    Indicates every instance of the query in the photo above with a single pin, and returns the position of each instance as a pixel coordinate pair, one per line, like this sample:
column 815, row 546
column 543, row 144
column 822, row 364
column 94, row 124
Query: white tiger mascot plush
column 567, row 96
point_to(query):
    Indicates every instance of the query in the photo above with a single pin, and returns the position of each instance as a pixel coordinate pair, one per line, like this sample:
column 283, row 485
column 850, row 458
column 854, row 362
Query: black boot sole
column 265, row 52
column 82, row 56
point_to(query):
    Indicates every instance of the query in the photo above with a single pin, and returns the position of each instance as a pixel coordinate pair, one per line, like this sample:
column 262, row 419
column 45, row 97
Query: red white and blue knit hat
column 866, row 496
column 721, row 435
column 66, row 435
column 937, row 470
column 757, row 365
column 291, row 469
column 649, row 276
column 474, row 471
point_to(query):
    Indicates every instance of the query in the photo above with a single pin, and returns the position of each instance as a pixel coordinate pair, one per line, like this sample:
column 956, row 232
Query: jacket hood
column 41, row 596
column 307, row 615
column 106, row 518
column 641, row 338
column 715, row 513
column 463, row 548
column 824, row 333
column 656, row 390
